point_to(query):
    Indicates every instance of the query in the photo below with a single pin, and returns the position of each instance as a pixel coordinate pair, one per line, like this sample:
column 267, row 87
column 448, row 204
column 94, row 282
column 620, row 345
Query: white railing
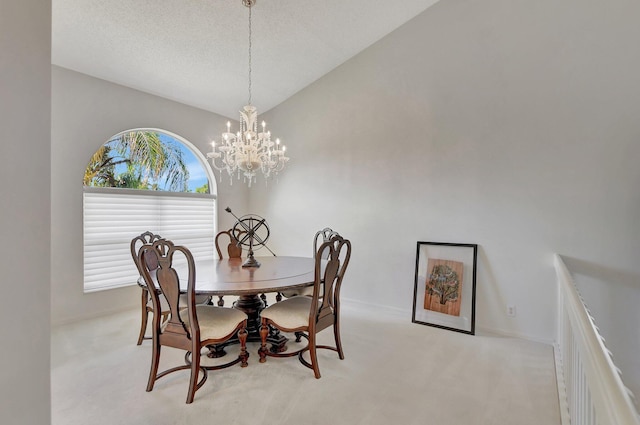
column 589, row 384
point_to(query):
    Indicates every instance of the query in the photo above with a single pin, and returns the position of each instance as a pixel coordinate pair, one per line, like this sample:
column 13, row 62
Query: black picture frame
column 441, row 298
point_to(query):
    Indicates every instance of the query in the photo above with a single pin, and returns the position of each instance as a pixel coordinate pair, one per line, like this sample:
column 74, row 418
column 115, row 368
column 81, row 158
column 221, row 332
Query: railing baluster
column 595, row 394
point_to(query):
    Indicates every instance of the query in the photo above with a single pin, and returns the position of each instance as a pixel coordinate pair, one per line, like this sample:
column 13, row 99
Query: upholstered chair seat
column 215, row 322
column 290, row 313
column 306, row 291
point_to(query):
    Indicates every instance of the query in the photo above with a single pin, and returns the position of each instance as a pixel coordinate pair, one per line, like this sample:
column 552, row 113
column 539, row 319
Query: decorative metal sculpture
column 251, row 231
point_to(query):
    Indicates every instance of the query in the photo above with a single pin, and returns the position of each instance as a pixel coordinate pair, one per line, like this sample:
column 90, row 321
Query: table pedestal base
column 252, row 305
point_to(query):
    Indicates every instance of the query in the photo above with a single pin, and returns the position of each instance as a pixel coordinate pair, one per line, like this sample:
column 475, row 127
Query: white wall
column 507, row 123
column 25, row 118
column 86, row 112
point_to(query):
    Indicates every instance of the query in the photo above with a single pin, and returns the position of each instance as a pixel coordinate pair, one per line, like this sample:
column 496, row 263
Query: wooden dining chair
column 306, row 316
column 321, row 236
column 191, row 327
column 147, row 238
column 234, row 250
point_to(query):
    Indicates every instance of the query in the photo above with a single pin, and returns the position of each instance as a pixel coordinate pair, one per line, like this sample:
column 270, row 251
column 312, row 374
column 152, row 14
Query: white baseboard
column 366, row 306
column 71, row 320
column 510, row 334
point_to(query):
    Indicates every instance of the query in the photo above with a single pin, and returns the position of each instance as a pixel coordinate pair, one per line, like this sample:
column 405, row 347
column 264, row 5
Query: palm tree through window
column 143, row 160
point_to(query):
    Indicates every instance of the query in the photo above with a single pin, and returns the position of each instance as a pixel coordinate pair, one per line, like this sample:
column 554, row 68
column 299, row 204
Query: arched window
column 139, row 180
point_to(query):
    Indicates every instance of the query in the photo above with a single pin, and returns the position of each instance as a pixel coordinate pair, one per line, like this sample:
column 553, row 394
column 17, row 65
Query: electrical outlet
column 511, row 310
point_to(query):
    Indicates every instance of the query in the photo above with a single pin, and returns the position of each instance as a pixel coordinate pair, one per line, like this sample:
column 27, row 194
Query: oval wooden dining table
column 275, row 274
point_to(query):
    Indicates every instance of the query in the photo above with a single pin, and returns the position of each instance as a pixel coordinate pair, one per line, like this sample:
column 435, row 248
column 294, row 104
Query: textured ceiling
column 196, row 51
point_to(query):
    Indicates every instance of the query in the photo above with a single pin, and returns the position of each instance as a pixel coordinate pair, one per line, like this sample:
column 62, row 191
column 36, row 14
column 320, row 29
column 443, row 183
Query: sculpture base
column 251, row 262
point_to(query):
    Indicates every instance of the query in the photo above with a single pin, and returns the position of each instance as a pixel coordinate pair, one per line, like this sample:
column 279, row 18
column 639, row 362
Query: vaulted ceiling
column 197, row 51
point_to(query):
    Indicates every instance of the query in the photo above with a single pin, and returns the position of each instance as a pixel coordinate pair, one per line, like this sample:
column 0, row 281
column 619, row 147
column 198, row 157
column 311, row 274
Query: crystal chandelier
column 249, row 150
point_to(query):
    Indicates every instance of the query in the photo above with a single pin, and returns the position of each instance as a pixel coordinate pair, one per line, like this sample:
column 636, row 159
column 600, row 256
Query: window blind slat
column 111, row 220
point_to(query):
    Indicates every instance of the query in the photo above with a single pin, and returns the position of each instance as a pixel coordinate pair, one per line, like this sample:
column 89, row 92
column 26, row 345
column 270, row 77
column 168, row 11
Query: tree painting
column 443, row 286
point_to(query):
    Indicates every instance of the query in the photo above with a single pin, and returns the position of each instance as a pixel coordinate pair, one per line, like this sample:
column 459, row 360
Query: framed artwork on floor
column 444, row 295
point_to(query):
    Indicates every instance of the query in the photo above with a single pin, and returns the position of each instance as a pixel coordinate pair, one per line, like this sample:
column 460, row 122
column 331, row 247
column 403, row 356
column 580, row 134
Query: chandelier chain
column 249, row 103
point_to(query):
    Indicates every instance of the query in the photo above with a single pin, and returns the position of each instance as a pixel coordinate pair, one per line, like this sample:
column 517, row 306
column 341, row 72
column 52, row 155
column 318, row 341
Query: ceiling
column 196, row 51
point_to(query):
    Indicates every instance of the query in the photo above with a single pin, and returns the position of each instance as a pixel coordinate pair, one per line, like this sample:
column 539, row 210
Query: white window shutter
column 112, row 217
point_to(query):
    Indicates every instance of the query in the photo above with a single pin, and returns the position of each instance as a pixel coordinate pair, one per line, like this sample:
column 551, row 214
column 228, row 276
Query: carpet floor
column 394, row 372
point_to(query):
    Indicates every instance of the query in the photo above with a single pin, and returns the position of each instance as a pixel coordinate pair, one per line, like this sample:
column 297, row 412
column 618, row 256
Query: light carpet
column 394, row 372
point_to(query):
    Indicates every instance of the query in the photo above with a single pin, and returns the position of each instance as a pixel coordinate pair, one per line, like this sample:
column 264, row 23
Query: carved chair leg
column 336, row 335
column 195, row 370
column 242, row 336
column 264, row 331
column 313, row 354
column 155, row 361
column 145, row 316
column 279, row 297
column 220, row 301
column 263, row 297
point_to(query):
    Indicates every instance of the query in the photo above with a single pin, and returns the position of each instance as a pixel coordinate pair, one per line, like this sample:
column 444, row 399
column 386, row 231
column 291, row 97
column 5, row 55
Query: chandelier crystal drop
column 248, row 151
